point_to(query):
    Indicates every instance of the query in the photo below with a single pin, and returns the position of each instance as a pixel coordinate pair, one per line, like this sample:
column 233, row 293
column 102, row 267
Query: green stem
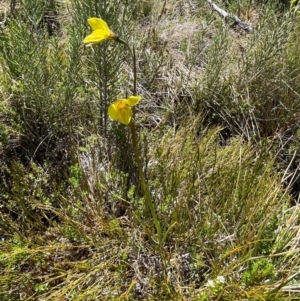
column 144, row 185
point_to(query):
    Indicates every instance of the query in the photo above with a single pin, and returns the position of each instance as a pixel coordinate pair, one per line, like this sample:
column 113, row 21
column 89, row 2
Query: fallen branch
column 228, row 15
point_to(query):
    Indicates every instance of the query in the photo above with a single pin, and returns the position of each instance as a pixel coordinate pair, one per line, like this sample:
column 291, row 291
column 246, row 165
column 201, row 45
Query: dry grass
column 218, row 132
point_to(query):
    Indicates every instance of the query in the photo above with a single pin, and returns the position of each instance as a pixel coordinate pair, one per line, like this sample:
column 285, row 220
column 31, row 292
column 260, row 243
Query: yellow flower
column 121, row 109
column 101, row 32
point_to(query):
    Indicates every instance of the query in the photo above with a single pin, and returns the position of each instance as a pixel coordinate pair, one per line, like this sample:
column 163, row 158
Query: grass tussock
column 218, row 136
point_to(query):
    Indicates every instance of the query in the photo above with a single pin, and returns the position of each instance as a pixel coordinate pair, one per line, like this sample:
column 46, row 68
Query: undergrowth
column 218, row 132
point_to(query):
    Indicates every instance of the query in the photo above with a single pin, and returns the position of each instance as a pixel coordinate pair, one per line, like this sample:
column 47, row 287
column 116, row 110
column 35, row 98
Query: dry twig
column 228, row 15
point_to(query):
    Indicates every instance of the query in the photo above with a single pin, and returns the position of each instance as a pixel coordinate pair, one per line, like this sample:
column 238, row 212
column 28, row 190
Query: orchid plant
column 101, row 32
column 122, row 110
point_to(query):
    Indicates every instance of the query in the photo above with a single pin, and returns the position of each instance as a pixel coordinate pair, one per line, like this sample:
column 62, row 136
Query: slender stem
column 134, row 70
column 134, row 77
column 144, row 185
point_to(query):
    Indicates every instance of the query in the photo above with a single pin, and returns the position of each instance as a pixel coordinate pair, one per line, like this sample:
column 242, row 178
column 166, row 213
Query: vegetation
column 218, row 134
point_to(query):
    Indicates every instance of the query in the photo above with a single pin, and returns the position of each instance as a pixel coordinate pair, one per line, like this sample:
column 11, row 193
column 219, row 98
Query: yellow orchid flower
column 121, row 109
column 101, row 32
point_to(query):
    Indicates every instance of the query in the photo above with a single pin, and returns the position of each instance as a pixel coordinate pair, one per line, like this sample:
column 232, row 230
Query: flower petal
column 133, row 100
column 96, row 36
column 120, row 111
column 112, row 112
column 97, row 23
